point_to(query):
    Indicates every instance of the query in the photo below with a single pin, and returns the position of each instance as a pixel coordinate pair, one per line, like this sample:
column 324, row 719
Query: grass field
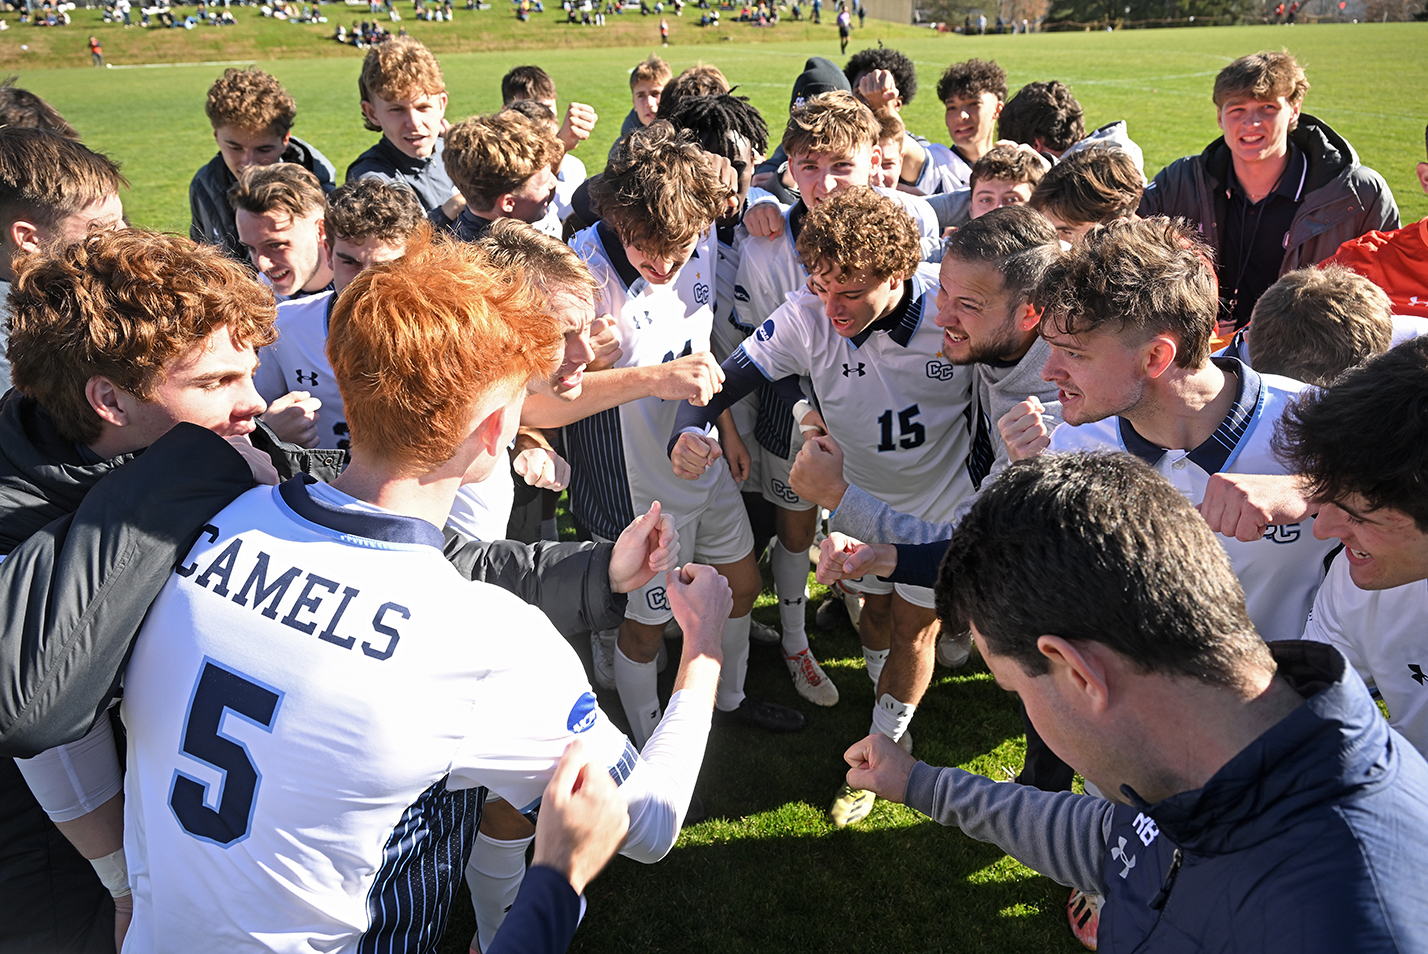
column 767, row 873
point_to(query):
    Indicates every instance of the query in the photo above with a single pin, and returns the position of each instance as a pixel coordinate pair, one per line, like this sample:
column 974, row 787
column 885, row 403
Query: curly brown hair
column 250, row 100
column 832, row 122
column 658, row 193
column 489, row 156
column 1147, row 277
column 1007, row 164
column 370, row 208
column 973, row 78
column 419, row 343
column 122, row 304
column 858, row 229
column 400, row 68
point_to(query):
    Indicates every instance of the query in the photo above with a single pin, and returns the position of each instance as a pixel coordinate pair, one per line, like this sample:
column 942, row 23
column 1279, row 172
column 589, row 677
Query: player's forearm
column 741, row 378
column 659, row 788
column 1060, row 834
column 600, row 391
column 864, row 517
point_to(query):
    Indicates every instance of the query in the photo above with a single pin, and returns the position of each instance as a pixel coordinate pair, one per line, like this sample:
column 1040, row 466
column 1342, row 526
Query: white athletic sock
column 548, row 530
column 494, row 875
column 790, row 574
column 639, row 694
column 891, row 717
column 875, row 658
column 736, row 662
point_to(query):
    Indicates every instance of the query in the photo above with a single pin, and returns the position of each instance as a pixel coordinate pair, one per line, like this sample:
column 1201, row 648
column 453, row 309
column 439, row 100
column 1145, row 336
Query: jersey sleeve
column 780, row 344
column 1326, row 623
column 269, row 380
column 530, row 706
column 755, row 291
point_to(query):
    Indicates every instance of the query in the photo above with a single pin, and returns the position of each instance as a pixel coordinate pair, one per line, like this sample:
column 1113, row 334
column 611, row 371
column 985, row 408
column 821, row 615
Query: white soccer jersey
column 944, row 170
column 311, row 703
column 297, row 361
column 1279, row 572
column 898, row 409
column 482, row 511
column 567, row 179
column 618, row 461
column 1382, row 634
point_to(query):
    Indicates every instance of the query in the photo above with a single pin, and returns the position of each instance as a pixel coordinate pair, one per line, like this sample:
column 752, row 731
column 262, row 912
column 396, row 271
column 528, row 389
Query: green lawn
column 767, row 874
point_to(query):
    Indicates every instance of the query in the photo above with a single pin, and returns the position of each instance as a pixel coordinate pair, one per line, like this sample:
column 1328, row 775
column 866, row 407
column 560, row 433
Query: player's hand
column 840, row 557
column 736, row 452
column 695, row 378
column 817, row 473
column 1024, row 430
column 543, row 468
column 259, row 463
column 1244, row 505
column 583, row 818
column 293, row 417
column 579, row 121
column 648, row 546
column 879, row 766
column 604, row 344
column 693, row 454
column 723, row 170
column 878, row 88
column 701, row 600
column 764, row 220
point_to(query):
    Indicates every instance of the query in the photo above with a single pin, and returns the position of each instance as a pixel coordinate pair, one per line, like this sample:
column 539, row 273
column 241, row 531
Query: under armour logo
column 793, row 602
column 310, row 378
column 1119, row 853
column 1414, row 300
column 858, row 370
column 1417, row 676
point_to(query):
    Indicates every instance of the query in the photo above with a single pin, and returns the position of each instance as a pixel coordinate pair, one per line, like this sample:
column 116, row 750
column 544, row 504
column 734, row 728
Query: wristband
column 113, row 871
column 800, row 411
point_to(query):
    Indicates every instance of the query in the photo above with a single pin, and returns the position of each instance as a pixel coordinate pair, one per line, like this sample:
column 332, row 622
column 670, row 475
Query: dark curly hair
column 884, row 58
column 860, row 229
column 972, row 78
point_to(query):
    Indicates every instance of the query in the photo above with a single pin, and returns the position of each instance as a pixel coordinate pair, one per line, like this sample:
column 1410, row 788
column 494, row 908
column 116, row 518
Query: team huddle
column 287, row 655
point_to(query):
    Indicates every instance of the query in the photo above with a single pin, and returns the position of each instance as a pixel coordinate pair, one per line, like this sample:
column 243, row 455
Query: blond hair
column 400, row 68
column 833, row 122
column 250, row 100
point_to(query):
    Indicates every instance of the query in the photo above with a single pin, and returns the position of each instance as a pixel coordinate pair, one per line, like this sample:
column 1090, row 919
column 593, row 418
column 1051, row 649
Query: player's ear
column 1423, row 175
column 1029, row 318
column 1159, row 354
column 1079, row 672
column 24, row 236
column 107, row 400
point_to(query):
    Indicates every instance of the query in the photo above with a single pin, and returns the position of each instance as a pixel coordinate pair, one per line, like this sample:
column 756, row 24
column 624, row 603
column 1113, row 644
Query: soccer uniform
column 618, row 461
column 1281, row 571
column 898, row 409
column 312, row 703
column 297, row 361
column 1381, row 633
column 944, row 169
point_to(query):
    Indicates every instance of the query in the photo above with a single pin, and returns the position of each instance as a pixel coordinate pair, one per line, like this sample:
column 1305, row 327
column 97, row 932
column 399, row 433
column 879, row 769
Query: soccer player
column 252, row 116
column 653, row 260
column 889, row 398
column 1360, row 448
column 1395, row 261
column 1007, row 175
column 1129, row 315
column 1087, row 188
column 1140, row 665
column 884, row 78
column 973, row 92
column 1279, row 191
column 417, row 678
column 365, row 222
column 533, row 84
column 53, row 189
column 504, row 165
column 404, row 98
column 98, row 380
column 279, row 210
column 647, row 81
column 1045, row 116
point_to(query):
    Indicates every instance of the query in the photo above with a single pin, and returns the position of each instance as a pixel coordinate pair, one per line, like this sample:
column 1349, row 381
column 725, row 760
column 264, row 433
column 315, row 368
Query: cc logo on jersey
column 766, row 330
column 783, row 491
column 657, row 598
column 701, row 293
column 1285, row 534
column 938, row 371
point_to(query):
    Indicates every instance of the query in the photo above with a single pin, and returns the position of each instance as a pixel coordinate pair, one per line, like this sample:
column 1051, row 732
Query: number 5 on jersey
column 218, row 691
